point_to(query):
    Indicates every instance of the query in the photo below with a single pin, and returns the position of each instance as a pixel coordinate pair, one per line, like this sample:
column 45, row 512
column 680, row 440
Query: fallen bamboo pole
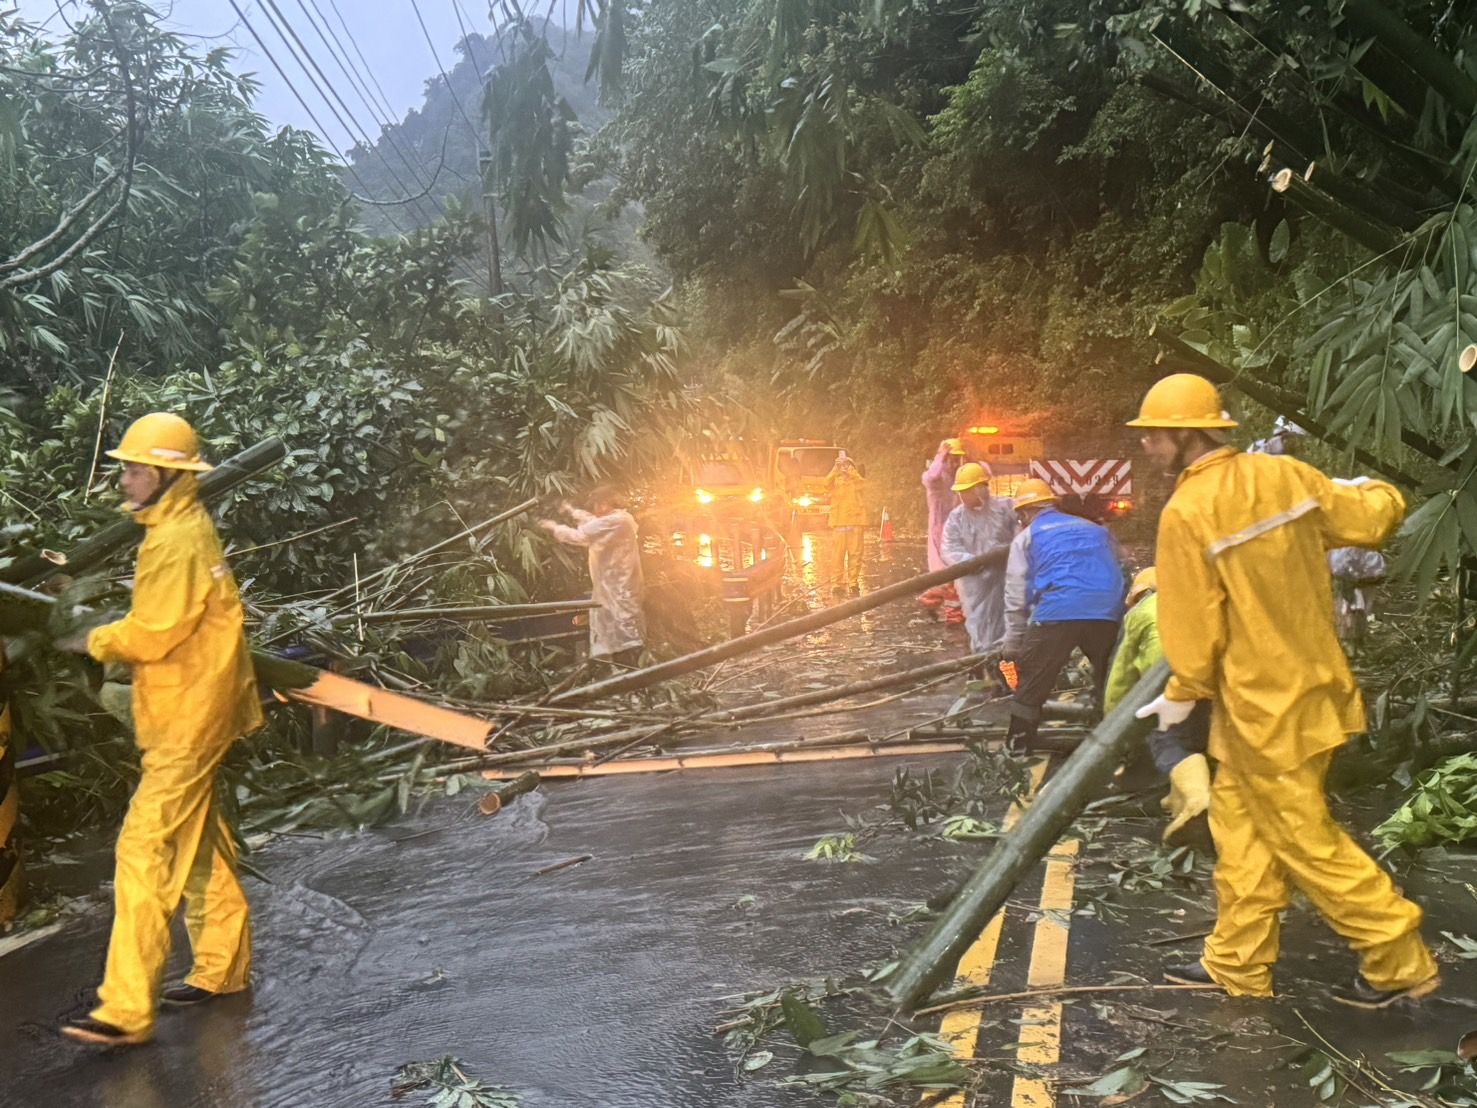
column 33, row 569
column 1080, row 778
column 841, row 692
column 23, row 610
column 489, row 613
column 735, row 759
column 745, row 644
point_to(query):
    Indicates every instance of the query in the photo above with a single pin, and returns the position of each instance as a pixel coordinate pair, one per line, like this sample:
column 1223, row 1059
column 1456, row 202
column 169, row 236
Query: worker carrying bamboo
column 1063, row 592
column 1245, row 617
column 608, row 532
column 938, row 486
column 846, row 488
column 1179, row 751
column 194, row 694
column 979, row 524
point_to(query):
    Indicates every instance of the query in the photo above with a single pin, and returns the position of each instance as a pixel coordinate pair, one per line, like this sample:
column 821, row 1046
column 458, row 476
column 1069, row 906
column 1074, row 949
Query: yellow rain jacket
column 848, row 506
column 193, row 682
column 194, row 693
column 1246, row 602
column 1246, row 620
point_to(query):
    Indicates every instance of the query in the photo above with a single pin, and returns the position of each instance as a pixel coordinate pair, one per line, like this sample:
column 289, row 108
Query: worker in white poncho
column 608, row 531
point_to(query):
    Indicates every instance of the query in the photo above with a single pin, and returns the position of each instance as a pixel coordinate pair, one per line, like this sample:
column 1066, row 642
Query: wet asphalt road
column 598, row 985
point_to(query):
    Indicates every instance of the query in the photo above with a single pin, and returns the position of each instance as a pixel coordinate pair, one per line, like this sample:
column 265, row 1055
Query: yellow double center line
column 1041, row 1025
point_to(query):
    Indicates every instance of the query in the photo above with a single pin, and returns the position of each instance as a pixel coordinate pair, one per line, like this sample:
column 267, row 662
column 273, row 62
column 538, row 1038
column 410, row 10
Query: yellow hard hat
column 1145, row 580
column 970, row 474
column 956, row 446
column 1182, row 400
column 1033, row 491
column 161, row 439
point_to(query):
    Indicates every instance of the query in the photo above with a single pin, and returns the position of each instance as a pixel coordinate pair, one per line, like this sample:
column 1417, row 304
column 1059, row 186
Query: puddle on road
column 592, row 986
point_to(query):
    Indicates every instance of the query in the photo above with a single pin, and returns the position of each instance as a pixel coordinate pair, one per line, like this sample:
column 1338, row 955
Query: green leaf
column 1277, row 246
column 801, row 1019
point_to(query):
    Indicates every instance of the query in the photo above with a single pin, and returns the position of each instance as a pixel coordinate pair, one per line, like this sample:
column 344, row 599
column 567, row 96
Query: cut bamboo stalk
column 33, row 569
column 1062, row 990
column 1080, row 779
column 746, row 644
column 1468, row 359
column 1373, row 18
column 735, row 759
column 1362, row 229
column 493, row 800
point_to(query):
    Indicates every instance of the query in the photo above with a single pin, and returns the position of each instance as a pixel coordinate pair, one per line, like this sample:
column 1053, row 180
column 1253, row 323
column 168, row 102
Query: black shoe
column 1361, row 994
column 1191, row 973
column 1019, row 742
column 97, row 1033
column 181, row 995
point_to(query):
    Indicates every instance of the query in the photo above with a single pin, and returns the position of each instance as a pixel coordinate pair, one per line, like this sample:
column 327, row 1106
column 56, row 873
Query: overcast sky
column 386, row 32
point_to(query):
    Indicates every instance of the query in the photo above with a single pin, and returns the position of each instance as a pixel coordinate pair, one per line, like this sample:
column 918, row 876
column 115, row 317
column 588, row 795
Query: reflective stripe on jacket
column 1246, row 602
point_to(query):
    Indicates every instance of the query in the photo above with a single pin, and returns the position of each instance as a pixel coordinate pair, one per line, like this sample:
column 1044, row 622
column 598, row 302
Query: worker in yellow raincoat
column 1246, row 620
column 194, row 693
column 1178, row 752
column 847, row 518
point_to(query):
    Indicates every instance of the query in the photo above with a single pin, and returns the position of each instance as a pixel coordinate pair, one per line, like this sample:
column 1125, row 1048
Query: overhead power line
column 371, row 145
column 286, row 80
column 455, row 99
column 330, row 96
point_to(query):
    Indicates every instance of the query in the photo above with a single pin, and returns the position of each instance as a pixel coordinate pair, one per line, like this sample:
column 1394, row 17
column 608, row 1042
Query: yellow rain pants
column 194, row 693
column 173, row 845
column 848, row 546
column 1273, row 833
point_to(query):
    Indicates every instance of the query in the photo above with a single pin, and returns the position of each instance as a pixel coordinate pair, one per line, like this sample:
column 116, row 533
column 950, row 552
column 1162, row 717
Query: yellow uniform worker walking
column 194, row 693
column 846, row 486
column 1246, row 621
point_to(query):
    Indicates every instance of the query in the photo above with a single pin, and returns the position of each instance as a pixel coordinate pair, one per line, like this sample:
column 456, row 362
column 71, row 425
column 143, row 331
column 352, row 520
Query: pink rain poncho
column 938, row 480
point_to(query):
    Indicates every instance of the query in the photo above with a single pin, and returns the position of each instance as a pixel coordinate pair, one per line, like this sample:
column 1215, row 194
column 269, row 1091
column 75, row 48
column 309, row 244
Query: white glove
column 1169, row 711
column 1351, row 482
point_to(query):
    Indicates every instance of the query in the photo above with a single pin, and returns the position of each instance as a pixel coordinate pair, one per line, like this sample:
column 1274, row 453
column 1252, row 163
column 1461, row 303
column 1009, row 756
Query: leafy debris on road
column 447, row 1085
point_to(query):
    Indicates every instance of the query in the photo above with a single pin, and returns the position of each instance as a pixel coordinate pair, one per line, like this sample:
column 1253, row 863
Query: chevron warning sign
column 1092, row 477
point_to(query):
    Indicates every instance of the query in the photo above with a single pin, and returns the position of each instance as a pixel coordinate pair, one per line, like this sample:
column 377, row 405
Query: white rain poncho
column 615, row 576
column 969, row 532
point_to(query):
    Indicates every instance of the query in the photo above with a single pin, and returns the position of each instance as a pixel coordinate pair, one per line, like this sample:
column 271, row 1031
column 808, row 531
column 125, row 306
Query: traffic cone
column 887, row 535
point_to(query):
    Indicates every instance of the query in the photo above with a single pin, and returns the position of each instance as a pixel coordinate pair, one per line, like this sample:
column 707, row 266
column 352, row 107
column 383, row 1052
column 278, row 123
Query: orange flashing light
column 983, row 431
